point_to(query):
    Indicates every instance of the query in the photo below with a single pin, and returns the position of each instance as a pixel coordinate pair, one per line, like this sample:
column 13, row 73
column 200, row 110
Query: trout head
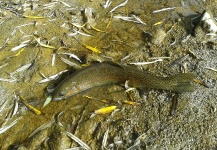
column 63, row 92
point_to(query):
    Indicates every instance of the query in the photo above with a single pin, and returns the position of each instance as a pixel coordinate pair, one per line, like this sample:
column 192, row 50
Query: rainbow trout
column 110, row 73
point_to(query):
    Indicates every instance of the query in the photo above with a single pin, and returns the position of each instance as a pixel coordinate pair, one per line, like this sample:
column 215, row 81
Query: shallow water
column 148, row 125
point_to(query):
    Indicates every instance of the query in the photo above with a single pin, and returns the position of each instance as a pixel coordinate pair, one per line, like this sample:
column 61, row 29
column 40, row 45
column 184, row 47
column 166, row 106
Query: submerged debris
column 106, row 4
column 70, row 63
column 72, row 56
column 58, row 120
column 158, row 37
column 120, row 5
column 33, row 109
column 131, row 103
column 7, row 80
column 23, row 44
column 98, row 30
column 30, row 107
column 174, row 105
column 22, row 68
column 3, row 106
column 34, row 17
column 134, row 18
column 163, row 9
column 138, row 20
column 105, row 110
column 157, row 23
column 105, row 138
column 47, row 101
column 18, row 53
column 179, row 60
column 75, row 32
column 53, row 59
column 213, row 69
column 42, row 127
column 138, row 141
column 207, row 27
column 209, row 22
column 44, row 45
column 53, row 77
column 94, row 49
column 185, row 39
column 2, row 66
column 15, row 108
column 146, row 63
column 79, row 26
column 17, row 28
column 79, row 141
column 8, row 38
column 5, row 128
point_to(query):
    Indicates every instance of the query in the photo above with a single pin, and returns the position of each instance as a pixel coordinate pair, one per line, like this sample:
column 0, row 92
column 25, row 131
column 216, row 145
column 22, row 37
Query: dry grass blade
column 3, row 106
column 105, row 138
column 213, row 69
column 164, row 9
column 15, row 108
column 79, row 141
column 3, row 129
column 7, row 80
column 70, row 63
column 106, row 4
column 44, row 45
column 146, row 63
column 72, row 56
column 19, row 47
column 53, row 77
column 120, row 5
column 24, row 67
column 42, row 127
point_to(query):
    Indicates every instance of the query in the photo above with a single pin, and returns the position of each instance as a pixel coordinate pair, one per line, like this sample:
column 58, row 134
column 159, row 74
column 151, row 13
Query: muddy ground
column 173, row 35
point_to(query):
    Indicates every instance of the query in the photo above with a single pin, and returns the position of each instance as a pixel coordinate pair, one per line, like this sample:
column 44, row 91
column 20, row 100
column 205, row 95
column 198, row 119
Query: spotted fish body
column 109, row 73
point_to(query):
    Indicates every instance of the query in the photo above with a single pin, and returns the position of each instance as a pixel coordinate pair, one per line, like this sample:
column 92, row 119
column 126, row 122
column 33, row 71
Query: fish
column 106, row 73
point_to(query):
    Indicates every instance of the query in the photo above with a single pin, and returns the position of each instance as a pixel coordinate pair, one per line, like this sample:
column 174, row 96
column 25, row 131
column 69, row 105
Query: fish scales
column 110, row 73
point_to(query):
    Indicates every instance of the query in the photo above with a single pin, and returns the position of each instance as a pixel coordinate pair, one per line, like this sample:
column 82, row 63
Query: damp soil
column 161, row 120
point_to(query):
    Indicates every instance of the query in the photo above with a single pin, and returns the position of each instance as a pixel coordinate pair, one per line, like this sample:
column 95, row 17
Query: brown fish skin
column 110, row 73
column 178, row 83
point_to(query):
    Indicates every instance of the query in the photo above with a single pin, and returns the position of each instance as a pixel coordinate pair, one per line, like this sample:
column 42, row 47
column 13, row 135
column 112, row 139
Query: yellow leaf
column 94, row 49
column 97, row 29
column 30, row 107
column 34, row 17
column 17, row 54
column 157, row 23
column 105, row 110
column 44, row 45
column 131, row 103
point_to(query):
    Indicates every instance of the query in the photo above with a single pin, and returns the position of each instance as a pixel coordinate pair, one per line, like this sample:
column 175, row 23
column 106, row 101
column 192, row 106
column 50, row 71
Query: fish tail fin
column 181, row 83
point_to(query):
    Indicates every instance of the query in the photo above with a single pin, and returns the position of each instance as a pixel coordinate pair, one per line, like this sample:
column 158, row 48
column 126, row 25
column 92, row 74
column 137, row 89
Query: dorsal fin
column 113, row 64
